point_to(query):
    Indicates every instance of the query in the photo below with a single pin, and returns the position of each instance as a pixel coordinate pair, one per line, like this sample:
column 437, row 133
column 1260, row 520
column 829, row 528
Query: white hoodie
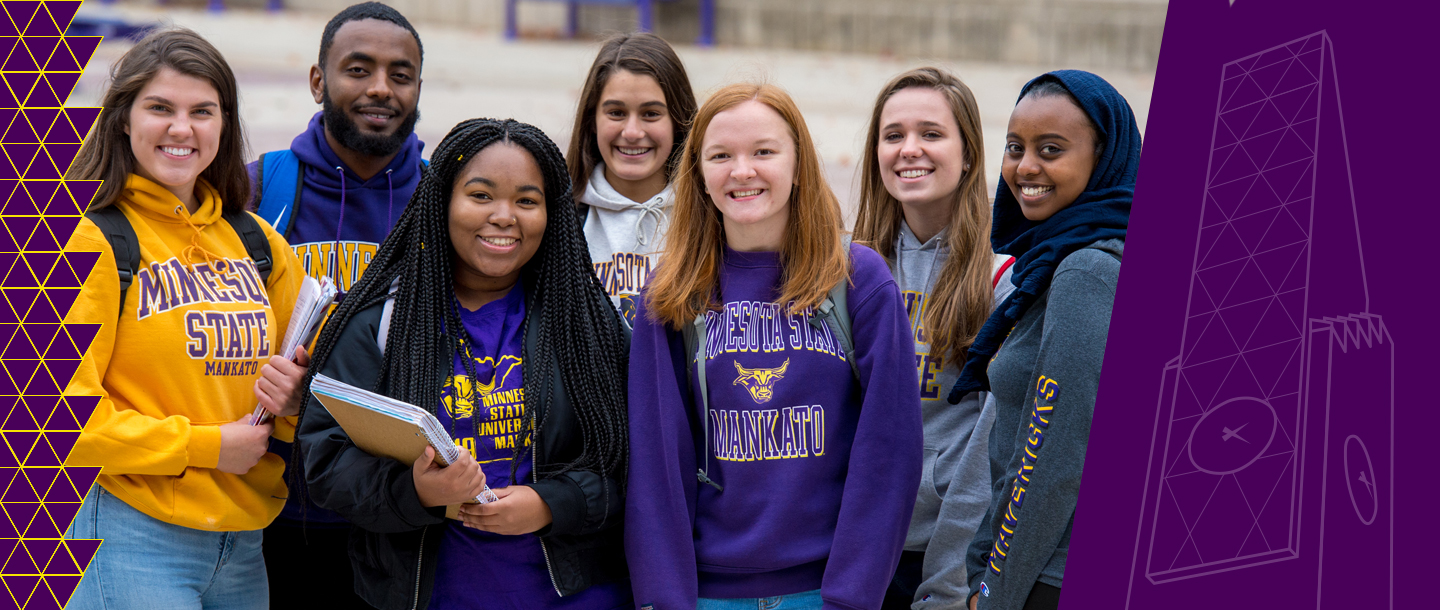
column 625, row 237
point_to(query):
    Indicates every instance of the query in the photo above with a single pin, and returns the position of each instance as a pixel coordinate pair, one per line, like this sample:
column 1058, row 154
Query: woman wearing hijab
column 1067, row 179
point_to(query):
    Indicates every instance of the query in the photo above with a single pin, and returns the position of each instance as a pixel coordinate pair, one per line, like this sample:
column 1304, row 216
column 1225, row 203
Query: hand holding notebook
column 457, row 483
column 310, row 306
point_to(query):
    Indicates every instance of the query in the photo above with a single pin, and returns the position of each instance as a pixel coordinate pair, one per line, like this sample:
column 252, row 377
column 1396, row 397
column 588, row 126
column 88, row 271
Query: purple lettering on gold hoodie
column 818, row 470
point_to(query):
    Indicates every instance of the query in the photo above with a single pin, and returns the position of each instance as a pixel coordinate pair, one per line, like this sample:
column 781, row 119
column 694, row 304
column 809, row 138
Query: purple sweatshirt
column 371, row 206
column 819, row 472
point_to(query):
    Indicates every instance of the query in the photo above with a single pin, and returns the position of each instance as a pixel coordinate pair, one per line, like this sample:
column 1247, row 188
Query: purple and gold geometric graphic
column 40, row 138
column 1274, row 433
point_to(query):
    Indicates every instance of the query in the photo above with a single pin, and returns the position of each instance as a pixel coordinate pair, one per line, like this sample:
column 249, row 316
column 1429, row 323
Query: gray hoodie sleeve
column 1041, row 483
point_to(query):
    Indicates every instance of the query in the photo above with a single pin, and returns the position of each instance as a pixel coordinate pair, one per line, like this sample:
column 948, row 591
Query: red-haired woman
column 783, row 464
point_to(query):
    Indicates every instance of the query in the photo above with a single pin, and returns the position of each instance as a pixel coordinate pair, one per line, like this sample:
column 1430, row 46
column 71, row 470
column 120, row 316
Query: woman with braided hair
column 485, row 272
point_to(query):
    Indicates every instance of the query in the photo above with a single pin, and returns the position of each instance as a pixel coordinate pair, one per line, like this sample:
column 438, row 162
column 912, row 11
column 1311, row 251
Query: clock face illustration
column 1232, row 435
column 1360, row 480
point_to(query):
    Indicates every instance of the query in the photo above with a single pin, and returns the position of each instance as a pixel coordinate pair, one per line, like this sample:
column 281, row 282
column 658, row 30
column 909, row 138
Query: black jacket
column 396, row 543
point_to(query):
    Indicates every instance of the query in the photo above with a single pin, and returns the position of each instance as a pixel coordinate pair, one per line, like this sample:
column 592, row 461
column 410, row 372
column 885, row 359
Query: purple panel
column 41, row 119
column 62, row 586
column 81, row 407
column 62, row 443
column 63, row 12
column 61, row 300
column 82, row 192
column 82, row 550
column 18, row 130
column 44, row 453
column 23, row 588
column 63, row 154
column 41, row 48
column 42, row 25
column 20, row 300
column 82, row 334
column 81, row 119
column 43, row 95
column 42, row 240
column 20, row 59
column 62, row 83
column 63, row 371
column 83, row 47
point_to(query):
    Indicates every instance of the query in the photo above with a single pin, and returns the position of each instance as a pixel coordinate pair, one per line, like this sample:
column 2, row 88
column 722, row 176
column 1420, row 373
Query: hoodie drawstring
column 390, row 211
column 655, row 207
column 339, row 251
column 194, row 246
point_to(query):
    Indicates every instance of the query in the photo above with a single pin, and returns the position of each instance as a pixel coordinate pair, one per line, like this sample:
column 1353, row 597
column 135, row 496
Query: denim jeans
column 809, row 600
column 147, row 563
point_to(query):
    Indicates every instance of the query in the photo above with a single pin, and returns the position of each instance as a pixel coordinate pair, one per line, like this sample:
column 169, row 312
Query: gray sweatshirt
column 625, row 237
column 1044, row 379
column 955, row 481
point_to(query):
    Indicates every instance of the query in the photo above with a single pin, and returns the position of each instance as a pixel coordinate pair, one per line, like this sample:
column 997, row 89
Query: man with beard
column 342, row 184
column 339, row 189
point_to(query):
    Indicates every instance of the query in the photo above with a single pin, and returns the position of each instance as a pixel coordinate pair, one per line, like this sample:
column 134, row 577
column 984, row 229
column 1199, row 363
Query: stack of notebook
column 310, row 307
column 383, row 426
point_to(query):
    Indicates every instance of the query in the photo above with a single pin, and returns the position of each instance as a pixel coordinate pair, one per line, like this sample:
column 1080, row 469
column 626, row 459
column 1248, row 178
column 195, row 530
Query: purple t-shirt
column 479, row 569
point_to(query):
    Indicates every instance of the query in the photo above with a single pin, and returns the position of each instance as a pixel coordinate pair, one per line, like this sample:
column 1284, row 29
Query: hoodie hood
column 314, row 150
column 337, row 213
column 157, row 203
column 648, row 219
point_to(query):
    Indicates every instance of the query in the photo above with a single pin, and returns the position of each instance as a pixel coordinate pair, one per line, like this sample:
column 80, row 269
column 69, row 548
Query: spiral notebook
column 383, row 426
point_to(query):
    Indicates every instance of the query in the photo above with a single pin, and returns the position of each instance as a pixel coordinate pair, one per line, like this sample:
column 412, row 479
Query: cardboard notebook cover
column 382, row 435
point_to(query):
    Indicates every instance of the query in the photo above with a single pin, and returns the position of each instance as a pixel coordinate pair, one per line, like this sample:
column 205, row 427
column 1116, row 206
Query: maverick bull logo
column 760, row 382
column 459, row 392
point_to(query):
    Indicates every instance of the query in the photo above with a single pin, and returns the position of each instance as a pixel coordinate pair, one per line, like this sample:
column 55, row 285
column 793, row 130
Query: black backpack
column 117, row 230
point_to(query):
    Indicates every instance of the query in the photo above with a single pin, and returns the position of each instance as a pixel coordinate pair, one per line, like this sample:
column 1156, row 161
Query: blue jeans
column 147, row 563
column 809, row 600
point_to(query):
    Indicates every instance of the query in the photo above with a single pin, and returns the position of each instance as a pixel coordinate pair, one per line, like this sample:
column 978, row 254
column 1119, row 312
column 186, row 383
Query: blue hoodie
column 819, row 471
column 371, row 206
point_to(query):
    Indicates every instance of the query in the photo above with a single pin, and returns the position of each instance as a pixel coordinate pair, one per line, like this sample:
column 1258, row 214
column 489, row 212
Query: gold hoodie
column 195, row 329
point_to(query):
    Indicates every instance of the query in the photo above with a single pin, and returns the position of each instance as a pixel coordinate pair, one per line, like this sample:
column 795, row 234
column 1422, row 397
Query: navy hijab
column 1101, row 212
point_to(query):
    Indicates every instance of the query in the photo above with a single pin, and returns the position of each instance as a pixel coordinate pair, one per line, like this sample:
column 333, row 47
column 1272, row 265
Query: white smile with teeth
column 499, row 241
column 179, row 152
column 914, row 173
column 750, row 193
column 634, row 151
column 378, row 117
column 1035, row 191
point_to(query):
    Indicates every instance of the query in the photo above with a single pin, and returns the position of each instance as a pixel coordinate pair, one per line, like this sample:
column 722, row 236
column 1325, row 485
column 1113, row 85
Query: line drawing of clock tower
column 1272, row 459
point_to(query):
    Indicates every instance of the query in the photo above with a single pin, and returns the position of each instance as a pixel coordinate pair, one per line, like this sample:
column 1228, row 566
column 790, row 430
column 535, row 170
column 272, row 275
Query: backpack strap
column 835, row 310
column 256, row 245
column 1000, row 271
column 695, row 346
column 387, row 312
column 126, row 246
column 279, row 183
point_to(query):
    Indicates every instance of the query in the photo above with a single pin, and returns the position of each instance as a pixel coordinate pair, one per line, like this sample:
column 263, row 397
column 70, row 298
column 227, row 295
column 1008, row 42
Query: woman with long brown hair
column 923, row 207
column 630, row 126
column 759, row 417
column 186, row 485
